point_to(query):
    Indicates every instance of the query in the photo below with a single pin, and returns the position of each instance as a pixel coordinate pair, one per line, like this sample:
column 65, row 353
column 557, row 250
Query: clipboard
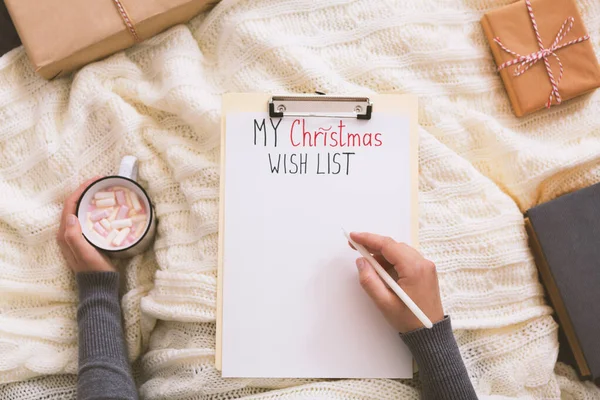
column 311, row 106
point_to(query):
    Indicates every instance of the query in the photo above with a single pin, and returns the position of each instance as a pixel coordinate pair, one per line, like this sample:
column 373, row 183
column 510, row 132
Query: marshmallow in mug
column 116, row 217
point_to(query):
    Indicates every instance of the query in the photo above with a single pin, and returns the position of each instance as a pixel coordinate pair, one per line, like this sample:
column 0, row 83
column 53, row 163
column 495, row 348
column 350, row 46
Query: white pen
column 391, row 283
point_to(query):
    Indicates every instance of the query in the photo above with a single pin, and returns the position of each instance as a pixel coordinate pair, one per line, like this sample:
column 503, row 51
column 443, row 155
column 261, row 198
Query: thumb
column 74, row 238
column 374, row 286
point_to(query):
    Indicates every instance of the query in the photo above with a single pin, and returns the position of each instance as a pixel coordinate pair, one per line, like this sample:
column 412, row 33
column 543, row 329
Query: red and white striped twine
column 127, row 21
column 525, row 62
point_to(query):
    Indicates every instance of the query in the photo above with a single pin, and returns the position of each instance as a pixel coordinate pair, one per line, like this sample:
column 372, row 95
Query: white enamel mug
column 126, row 178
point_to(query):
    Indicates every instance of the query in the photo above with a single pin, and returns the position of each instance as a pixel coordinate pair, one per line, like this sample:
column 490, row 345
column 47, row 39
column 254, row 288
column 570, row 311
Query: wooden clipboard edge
column 219, row 316
column 257, row 102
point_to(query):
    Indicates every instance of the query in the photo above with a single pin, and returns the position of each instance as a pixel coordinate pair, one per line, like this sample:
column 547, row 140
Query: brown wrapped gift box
column 62, row 35
column 512, row 25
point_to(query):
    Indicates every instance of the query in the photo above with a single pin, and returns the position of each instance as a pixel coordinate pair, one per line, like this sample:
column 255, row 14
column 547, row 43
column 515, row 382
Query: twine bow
column 527, row 61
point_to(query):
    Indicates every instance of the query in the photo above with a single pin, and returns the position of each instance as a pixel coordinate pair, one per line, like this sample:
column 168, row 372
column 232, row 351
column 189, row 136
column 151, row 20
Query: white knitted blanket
column 480, row 168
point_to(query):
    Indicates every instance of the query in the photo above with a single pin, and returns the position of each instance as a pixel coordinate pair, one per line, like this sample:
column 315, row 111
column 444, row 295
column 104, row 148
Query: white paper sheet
column 292, row 303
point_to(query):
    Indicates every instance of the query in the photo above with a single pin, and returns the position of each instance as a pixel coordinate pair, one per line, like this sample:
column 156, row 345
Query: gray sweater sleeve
column 104, row 371
column 441, row 369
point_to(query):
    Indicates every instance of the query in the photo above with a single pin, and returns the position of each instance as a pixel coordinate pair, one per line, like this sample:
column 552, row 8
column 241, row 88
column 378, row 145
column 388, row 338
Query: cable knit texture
column 480, row 168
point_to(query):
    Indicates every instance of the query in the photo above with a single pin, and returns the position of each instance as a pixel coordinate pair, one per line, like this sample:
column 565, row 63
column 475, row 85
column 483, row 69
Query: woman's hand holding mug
column 80, row 255
column 111, row 215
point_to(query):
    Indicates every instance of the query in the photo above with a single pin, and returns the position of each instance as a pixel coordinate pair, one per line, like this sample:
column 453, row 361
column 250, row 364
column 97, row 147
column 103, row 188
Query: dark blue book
column 565, row 238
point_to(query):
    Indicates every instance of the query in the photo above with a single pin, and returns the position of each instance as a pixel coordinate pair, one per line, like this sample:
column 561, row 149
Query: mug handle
column 129, row 167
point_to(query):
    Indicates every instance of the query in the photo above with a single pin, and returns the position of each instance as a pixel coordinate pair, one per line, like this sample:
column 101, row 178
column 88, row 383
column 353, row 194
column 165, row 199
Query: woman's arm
column 441, row 368
column 104, row 371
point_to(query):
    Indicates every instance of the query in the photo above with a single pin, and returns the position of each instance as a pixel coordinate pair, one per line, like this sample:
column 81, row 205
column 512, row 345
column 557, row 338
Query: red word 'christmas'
column 327, row 137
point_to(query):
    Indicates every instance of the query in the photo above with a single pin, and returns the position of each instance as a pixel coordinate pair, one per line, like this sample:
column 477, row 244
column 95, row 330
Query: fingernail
column 71, row 220
column 360, row 264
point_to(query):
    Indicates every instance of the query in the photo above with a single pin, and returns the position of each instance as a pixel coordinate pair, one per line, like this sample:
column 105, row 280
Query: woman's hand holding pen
column 415, row 274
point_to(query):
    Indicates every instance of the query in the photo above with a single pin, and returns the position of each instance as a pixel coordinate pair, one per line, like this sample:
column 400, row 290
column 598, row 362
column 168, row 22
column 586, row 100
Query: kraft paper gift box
column 512, row 26
column 63, row 35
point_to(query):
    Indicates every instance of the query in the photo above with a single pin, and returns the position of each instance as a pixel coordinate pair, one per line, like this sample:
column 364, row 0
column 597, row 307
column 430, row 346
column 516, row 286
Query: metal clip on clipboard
column 320, row 106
